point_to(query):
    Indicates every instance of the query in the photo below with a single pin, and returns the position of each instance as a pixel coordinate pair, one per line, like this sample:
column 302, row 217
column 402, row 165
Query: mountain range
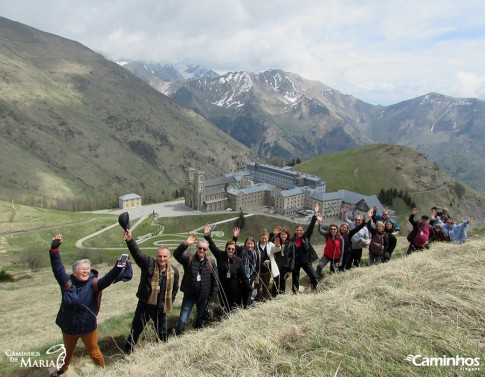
column 277, row 113
column 77, row 130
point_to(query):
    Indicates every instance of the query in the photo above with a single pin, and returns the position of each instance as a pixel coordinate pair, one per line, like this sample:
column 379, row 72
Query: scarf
column 167, row 303
column 155, row 284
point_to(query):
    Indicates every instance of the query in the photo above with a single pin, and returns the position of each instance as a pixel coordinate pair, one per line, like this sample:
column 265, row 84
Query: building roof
column 257, row 187
column 291, row 192
column 130, row 196
column 219, row 181
column 348, row 197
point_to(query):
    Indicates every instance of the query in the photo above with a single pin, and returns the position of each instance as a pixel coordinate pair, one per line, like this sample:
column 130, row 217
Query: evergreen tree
column 241, row 220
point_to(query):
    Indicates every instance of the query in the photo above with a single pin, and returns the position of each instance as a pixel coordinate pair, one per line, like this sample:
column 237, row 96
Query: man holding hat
column 159, row 284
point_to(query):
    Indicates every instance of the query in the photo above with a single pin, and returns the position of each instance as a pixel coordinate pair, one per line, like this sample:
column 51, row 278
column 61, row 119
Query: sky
column 381, row 52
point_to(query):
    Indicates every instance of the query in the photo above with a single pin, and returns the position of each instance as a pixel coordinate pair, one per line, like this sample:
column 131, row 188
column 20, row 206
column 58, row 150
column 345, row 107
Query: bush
column 6, row 276
column 34, row 261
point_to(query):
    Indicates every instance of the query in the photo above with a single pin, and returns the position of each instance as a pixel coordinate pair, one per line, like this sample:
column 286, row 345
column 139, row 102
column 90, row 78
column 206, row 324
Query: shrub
column 6, row 276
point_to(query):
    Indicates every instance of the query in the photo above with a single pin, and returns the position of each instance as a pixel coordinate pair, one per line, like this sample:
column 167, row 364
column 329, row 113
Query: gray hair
column 79, row 262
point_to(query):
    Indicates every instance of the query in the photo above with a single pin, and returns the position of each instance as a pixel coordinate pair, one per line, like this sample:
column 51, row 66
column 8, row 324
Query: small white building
column 129, row 201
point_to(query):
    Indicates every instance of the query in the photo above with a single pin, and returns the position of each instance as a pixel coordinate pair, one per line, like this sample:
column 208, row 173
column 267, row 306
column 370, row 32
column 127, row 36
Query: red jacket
column 332, row 248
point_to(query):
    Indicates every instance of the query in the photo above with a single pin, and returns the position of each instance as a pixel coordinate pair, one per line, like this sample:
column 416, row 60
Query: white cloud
column 470, row 84
column 381, row 52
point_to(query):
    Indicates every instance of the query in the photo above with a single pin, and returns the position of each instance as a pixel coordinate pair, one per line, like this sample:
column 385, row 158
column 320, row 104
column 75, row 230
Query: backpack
column 97, row 293
column 376, row 246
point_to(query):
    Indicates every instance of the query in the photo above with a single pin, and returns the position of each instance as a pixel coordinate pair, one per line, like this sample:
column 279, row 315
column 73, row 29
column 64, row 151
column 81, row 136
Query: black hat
column 124, row 220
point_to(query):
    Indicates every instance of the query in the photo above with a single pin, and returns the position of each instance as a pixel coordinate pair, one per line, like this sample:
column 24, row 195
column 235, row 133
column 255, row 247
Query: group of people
column 256, row 270
column 439, row 226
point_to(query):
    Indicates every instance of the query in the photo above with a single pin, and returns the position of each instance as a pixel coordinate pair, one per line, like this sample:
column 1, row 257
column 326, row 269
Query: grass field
column 360, row 323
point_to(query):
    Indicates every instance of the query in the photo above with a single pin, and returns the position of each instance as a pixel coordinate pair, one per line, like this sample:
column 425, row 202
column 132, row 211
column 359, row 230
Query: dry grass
column 362, row 323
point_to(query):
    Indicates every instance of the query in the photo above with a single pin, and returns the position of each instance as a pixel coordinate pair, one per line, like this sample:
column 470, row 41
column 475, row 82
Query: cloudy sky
column 380, row 51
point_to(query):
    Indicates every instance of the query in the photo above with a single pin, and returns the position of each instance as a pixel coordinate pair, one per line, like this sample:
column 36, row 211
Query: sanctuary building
column 285, row 190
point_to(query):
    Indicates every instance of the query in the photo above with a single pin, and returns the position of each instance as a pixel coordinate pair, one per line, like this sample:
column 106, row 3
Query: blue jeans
column 374, row 259
column 187, row 305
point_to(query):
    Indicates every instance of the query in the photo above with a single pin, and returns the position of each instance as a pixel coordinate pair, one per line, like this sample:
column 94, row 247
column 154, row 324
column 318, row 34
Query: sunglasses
column 202, row 248
column 231, row 248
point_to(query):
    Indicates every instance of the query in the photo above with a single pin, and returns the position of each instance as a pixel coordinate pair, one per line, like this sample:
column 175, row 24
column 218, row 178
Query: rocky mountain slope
column 277, row 113
column 78, row 130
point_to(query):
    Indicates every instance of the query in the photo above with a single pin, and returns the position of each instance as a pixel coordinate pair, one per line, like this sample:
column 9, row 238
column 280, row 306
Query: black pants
column 143, row 314
column 345, row 259
column 295, row 279
column 246, row 294
column 412, row 248
column 279, row 282
column 229, row 293
column 354, row 260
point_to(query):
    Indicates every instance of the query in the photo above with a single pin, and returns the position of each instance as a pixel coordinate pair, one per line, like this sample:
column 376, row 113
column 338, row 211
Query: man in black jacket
column 199, row 282
column 159, row 284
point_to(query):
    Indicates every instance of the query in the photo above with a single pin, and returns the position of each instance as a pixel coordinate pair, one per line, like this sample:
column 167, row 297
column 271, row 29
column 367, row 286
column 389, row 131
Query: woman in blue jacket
column 79, row 306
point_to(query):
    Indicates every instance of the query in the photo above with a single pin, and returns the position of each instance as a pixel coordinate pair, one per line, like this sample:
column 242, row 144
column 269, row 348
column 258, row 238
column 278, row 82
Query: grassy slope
column 363, row 323
column 419, row 305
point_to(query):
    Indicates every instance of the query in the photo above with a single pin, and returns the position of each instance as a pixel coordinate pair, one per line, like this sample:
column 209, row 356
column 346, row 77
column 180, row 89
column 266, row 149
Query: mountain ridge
column 277, row 113
column 91, row 129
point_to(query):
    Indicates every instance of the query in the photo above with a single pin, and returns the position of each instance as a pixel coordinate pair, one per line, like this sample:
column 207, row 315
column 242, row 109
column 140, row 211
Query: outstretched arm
column 112, row 274
column 218, row 253
column 179, row 253
column 140, row 259
column 57, row 267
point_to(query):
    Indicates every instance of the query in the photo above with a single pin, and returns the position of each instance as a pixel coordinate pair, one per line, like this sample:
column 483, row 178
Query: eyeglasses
column 202, row 248
column 333, row 229
column 231, row 248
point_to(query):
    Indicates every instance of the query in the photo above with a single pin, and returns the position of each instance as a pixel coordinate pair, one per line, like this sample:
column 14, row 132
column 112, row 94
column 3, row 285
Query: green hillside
column 77, row 130
column 368, row 169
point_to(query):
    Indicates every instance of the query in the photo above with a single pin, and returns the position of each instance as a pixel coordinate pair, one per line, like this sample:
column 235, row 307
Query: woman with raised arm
column 232, row 276
column 304, row 253
column 77, row 316
column 249, row 258
column 284, row 258
column 333, row 251
column 266, row 266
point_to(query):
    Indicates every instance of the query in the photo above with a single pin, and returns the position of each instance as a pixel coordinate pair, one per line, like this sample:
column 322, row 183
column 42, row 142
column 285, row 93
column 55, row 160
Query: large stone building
column 284, row 189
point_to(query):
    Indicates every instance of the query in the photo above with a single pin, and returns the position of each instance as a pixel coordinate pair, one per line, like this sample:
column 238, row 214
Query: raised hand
column 236, row 231
column 277, row 242
column 127, row 235
column 191, row 239
column 277, row 230
column 207, row 229
column 56, row 241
